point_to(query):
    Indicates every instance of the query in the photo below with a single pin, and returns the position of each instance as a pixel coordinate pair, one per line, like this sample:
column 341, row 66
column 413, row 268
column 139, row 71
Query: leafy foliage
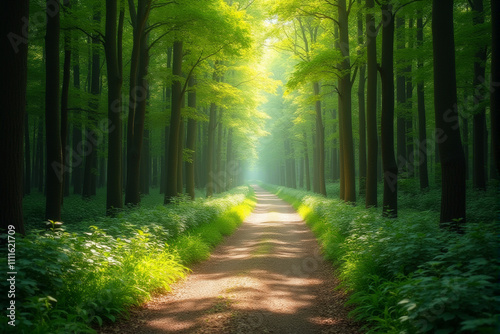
column 407, row 275
column 68, row 281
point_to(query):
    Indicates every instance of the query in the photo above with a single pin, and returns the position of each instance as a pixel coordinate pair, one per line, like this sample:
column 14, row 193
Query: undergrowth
column 407, row 275
column 69, row 281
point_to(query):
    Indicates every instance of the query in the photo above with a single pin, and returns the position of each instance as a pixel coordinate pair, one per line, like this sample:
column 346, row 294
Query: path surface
column 268, row 277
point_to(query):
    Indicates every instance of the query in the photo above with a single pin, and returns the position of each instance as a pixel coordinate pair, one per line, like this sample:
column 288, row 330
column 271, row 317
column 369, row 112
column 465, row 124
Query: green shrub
column 407, row 275
column 69, row 280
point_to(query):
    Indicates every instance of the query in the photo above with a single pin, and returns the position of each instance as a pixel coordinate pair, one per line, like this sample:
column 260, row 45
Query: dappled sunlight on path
column 268, row 277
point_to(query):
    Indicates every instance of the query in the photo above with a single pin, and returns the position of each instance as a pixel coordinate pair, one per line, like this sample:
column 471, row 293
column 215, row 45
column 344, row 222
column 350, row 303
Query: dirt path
column 268, row 277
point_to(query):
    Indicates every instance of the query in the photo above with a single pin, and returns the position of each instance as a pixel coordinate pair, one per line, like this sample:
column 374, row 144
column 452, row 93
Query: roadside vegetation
column 76, row 276
column 408, row 275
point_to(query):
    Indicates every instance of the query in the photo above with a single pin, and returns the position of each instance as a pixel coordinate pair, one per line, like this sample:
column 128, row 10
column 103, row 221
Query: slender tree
column 191, row 139
column 113, row 50
column 445, row 100
column 171, row 190
column 52, row 117
column 495, row 80
column 371, row 107
column 422, row 135
column 479, row 118
column 390, row 201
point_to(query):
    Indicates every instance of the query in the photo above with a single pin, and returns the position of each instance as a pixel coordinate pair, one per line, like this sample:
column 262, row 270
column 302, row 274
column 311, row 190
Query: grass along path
column 268, row 277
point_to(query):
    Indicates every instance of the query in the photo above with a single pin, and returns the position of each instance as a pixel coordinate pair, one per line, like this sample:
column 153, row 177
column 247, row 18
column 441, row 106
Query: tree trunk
column 89, row 176
column 401, row 156
column 14, row 73
column 175, row 121
column 320, row 142
column 445, row 100
column 52, row 118
column 64, row 109
column 180, row 158
column 27, row 157
column 495, row 79
column 138, row 98
column 191, row 140
column 345, row 88
column 371, row 109
column 212, row 123
column 423, row 148
column 410, row 154
column 479, row 119
column 361, row 107
column 306, row 160
column 390, row 167
column 113, row 49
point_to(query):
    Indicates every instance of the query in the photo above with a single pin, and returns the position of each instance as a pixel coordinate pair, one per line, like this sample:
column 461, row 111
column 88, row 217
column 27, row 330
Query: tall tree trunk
column 77, row 159
column 306, row 160
column 495, row 79
column 138, row 99
column 113, row 49
column 401, row 156
column 40, row 154
column 27, row 157
column 89, row 176
column 13, row 92
column 335, row 149
column 479, row 119
column 229, row 160
column 212, row 124
column 168, row 100
column 64, row 109
column 320, row 142
column 191, row 140
column 175, row 121
column 423, row 150
column 445, row 99
column 52, row 117
column 371, row 108
column 361, row 107
column 390, row 167
column 345, row 88
column 409, row 108
column 218, row 156
column 180, row 158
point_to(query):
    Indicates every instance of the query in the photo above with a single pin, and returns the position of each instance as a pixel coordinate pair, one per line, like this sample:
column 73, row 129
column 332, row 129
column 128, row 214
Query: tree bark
column 64, row 109
column 361, row 107
column 52, row 118
column 138, row 98
column 495, row 80
column 191, row 140
column 371, row 109
column 422, row 135
column 479, row 119
column 401, row 156
column 113, row 49
column 390, row 167
column 175, row 121
column 89, row 175
column 445, row 101
column 13, row 92
column 345, row 88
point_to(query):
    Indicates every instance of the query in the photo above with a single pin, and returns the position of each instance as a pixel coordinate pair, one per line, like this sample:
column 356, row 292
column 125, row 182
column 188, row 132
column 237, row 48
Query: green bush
column 69, row 280
column 407, row 275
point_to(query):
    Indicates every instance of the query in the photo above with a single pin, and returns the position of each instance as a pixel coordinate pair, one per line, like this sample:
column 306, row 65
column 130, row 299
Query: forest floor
column 268, row 277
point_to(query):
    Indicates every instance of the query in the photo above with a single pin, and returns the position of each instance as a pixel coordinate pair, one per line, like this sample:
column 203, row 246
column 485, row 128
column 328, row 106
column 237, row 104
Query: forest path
column 268, row 277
